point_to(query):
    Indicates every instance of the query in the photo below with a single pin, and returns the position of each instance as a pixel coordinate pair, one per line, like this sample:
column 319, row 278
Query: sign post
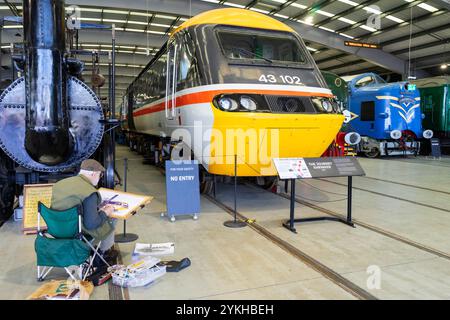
column 182, row 188
column 309, row 168
column 435, row 148
column 125, row 237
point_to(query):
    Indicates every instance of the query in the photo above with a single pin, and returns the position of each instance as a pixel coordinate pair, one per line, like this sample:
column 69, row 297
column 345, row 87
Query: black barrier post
column 290, row 223
column 125, row 237
column 235, row 187
column 214, row 185
column 292, row 209
column 235, row 223
column 349, row 200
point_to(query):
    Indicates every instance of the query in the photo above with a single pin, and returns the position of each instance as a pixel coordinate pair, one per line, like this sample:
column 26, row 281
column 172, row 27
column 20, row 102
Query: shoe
column 175, row 266
column 98, row 262
column 111, row 256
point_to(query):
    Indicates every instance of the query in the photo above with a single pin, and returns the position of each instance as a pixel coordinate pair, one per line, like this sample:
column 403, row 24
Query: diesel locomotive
column 389, row 115
column 50, row 121
column 339, row 88
column 435, row 104
column 233, row 86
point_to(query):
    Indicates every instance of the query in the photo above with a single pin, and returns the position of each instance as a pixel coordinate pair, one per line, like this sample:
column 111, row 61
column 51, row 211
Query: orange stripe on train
column 208, row 96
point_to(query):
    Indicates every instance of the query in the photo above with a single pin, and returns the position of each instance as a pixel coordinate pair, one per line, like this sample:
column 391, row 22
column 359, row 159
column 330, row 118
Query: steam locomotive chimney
column 47, row 137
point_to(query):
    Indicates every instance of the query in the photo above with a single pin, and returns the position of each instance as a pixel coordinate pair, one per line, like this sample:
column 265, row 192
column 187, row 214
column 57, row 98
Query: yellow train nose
column 258, row 138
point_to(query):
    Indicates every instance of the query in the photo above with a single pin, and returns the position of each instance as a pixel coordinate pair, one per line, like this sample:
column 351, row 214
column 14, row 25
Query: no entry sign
column 182, row 186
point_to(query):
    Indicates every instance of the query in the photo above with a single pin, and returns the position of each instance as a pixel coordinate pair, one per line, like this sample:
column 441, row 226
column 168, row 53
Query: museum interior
column 225, row 150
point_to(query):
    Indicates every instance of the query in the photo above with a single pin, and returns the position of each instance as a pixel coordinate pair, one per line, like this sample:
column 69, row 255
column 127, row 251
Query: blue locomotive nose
column 389, row 116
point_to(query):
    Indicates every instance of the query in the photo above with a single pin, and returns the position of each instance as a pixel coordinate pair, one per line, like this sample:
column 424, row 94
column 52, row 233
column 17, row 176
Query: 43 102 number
column 270, row 78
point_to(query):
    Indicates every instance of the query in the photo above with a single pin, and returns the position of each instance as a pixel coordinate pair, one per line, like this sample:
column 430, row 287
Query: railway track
column 373, row 228
column 389, row 196
column 422, row 162
column 406, row 185
column 368, row 226
column 322, row 269
column 115, row 292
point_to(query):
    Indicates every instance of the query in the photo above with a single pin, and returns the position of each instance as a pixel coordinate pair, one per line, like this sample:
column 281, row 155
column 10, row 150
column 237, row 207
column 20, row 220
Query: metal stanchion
column 125, row 237
column 349, row 200
column 235, row 223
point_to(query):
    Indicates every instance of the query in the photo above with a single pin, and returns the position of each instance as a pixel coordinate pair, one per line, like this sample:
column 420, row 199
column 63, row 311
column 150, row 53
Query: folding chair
column 63, row 245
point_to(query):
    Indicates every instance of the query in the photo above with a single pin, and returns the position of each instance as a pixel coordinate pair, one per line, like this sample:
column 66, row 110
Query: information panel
column 32, row 195
column 183, row 188
column 307, row 168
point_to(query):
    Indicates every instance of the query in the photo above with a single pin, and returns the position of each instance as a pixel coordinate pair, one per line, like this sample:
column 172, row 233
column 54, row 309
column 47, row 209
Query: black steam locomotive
column 50, row 121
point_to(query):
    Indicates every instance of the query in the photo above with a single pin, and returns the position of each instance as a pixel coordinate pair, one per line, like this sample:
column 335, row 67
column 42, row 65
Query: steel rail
column 316, row 265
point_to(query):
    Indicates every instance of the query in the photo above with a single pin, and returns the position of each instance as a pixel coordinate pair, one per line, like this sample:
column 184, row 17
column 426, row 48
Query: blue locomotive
column 389, row 116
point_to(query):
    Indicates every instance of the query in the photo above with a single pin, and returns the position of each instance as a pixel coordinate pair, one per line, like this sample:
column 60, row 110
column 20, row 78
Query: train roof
column 227, row 16
column 236, row 17
column 432, row 82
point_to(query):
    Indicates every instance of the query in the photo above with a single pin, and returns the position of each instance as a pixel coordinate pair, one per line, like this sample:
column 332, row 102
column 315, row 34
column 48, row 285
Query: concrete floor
column 226, row 263
column 241, row 264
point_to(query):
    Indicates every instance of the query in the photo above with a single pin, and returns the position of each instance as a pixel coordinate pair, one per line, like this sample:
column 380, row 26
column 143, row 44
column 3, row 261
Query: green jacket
column 73, row 191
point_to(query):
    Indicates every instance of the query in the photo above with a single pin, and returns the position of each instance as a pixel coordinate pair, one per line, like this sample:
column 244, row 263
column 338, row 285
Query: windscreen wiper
column 251, row 53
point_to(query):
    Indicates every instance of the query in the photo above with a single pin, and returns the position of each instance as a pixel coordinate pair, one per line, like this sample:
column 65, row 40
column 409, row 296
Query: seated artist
column 80, row 190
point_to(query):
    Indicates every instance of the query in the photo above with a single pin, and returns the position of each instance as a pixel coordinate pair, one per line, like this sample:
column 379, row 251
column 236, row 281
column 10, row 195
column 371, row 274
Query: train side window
column 187, row 73
column 160, row 76
column 184, row 65
column 151, row 85
column 365, row 81
column 367, row 111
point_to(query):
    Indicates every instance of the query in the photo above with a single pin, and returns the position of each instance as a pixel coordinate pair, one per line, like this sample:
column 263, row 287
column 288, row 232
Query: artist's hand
column 108, row 210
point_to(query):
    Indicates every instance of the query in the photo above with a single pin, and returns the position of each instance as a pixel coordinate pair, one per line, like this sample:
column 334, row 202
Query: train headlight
column 348, row 116
column 327, row 106
column 352, row 138
column 248, row 103
column 396, row 134
column 428, row 134
column 228, row 104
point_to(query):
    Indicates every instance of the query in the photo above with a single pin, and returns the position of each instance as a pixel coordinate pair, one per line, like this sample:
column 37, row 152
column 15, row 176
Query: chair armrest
column 45, row 234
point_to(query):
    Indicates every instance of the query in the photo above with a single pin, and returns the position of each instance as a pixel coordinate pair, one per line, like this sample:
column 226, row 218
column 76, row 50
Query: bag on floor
column 100, row 276
column 63, row 290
